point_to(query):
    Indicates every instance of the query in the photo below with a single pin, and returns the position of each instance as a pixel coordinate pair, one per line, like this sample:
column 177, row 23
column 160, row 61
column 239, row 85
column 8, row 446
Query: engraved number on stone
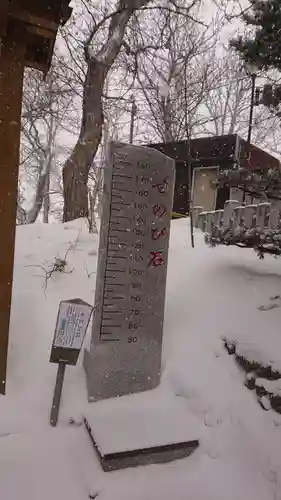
column 133, row 326
column 139, row 232
column 137, row 272
column 141, row 206
column 135, row 312
column 132, row 340
column 136, row 285
column 138, row 245
column 137, row 258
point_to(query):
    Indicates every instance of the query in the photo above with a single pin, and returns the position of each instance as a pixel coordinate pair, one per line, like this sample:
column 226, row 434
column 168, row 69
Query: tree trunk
column 46, row 202
column 39, row 197
column 167, row 119
column 76, row 168
column 44, row 178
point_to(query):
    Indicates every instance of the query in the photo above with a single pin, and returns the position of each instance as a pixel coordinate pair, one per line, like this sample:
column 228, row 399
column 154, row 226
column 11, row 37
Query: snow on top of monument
column 144, row 420
column 211, row 294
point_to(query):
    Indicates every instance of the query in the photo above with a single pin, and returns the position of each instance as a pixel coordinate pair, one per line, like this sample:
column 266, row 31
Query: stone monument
column 126, row 345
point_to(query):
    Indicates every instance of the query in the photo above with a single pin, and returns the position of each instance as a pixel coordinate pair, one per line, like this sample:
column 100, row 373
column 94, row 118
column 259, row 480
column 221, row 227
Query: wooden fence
column 234, row 216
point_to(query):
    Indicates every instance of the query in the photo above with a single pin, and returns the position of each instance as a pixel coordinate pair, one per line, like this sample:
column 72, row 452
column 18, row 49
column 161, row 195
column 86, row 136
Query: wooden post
column 11, row 82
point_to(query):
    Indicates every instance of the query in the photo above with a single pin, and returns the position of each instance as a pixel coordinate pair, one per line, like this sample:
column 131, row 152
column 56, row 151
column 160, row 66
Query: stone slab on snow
column 142, row 423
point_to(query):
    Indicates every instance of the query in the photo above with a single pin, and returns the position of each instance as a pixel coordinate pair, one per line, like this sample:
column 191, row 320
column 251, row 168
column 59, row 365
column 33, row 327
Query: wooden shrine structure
column 208, row 155
column 28, row 30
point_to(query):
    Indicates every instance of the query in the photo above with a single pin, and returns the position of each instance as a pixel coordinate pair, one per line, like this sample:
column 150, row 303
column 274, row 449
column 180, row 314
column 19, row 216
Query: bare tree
column 177, row 51
column 226, row 105
column 45, row 105
column 99, row 59
column 110, row 33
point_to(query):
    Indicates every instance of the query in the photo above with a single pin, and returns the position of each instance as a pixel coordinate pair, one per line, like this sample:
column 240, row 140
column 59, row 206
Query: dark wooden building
column 208, row 154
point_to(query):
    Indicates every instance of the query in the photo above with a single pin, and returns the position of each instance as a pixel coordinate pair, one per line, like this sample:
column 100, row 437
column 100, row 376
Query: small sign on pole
column 72, row 323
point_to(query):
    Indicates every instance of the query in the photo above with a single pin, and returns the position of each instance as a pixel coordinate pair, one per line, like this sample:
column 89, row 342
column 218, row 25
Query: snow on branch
column 250, row 226
column 261, row 240
column 258, row 182
column 118, row 23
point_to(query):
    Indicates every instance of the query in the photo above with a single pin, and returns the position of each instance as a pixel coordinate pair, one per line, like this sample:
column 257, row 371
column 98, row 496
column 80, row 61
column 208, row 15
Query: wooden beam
column 34, row 47
column 3, row 18
column 42, row 32
column 29, row 18
column 43, row 67
column 11, row 81
column 39, row 37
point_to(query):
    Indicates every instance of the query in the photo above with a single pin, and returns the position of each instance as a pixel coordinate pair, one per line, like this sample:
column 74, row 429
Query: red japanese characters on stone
column 156, row 259
column 159, row 210
column 156, row 233
column 161, row 186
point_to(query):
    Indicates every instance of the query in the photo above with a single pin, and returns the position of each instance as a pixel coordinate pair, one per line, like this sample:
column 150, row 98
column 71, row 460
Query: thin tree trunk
column 44, row 178
column 39, row 197
column 92, row 216
column 21, row 213
column 167, row 119
column 46, row 202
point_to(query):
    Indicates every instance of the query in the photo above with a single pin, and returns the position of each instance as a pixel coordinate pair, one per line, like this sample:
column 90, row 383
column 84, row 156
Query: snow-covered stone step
column 142, row 429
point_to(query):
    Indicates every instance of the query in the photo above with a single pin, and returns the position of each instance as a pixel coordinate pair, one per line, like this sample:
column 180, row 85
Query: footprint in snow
column 271, row 306
column 268, row 307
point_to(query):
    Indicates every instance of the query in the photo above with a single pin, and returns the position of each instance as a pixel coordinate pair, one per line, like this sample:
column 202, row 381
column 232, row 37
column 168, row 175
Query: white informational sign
column 72, row 322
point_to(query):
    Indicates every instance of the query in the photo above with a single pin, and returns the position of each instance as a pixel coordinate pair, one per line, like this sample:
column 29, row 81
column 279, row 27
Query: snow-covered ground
column 211, row 294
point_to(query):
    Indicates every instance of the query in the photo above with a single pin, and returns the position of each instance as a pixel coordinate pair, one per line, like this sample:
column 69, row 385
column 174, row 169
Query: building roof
column 221, row 151
column 203, row 149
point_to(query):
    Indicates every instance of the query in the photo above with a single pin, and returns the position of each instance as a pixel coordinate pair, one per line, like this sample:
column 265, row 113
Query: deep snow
column 211, row 294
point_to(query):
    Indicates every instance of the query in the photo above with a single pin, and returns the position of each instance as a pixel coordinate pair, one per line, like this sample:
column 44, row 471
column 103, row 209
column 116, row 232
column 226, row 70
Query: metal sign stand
column 72, row 323
column 57, row 394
